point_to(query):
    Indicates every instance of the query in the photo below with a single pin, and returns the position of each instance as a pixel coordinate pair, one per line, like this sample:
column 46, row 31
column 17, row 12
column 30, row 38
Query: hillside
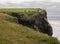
column 14, row 33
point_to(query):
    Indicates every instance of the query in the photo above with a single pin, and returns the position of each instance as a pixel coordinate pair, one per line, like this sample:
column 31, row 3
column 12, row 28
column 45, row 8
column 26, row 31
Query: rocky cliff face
column 42, row 24
column 37, row 20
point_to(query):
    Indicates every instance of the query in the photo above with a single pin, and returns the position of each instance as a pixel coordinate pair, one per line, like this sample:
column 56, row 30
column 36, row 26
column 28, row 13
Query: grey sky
column 52, row 6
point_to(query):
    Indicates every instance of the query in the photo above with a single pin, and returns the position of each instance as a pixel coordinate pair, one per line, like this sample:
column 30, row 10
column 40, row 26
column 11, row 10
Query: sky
column 19, row 1
column 51, row 6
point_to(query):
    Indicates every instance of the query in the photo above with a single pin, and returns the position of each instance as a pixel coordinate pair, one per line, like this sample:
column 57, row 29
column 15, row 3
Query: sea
column 54, row 20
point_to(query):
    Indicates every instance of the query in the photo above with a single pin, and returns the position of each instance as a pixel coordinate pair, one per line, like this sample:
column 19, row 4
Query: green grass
column 12, row 33
column 18, row 10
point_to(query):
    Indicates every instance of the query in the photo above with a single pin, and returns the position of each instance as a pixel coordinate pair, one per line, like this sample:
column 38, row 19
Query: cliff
column 20, row 27
column 34, row 19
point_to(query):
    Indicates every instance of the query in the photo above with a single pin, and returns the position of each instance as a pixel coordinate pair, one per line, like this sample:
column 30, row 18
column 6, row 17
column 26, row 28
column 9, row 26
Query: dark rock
column 42, row 25
column 38, row 22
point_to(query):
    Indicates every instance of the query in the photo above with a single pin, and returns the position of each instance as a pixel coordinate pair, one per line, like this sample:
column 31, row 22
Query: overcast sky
column 18, row 1
column 52, row 6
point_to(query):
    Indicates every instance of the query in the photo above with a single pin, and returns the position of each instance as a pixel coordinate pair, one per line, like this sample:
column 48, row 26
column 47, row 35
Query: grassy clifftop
column 13, row 33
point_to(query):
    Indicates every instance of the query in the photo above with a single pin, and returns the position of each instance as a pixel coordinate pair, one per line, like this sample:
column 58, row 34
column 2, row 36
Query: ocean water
column 54, row 20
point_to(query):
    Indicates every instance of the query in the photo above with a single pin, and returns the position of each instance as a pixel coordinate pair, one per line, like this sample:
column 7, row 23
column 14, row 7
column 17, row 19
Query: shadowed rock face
column 42, row 24
column 38, row 22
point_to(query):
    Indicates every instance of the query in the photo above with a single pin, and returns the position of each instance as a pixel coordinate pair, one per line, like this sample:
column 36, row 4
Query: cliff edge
column 34, row 19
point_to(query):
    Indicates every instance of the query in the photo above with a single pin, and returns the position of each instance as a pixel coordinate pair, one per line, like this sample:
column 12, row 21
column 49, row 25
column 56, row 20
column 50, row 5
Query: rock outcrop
column 37, row 20
column 42, row 24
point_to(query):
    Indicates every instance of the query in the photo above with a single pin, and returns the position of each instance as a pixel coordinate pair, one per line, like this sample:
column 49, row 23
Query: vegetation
column 18, row 10
column 13, row 33
column 23, row 13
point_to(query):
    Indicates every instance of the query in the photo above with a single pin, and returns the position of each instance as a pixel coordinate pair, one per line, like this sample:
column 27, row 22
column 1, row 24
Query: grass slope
column 12, row 33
